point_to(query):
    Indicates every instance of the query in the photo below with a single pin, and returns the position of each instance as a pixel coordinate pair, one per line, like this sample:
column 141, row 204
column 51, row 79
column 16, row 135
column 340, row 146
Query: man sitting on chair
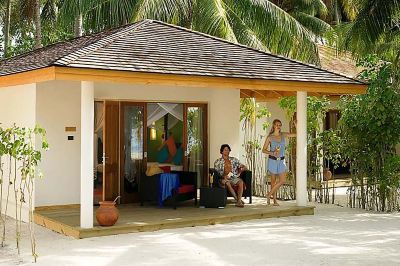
column 229, row 169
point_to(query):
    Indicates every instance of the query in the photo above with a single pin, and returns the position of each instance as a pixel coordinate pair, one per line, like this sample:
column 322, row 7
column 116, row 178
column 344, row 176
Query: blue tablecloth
column 168, row 182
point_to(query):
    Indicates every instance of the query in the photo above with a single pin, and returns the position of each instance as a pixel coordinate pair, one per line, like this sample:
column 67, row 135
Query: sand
column 333, row 236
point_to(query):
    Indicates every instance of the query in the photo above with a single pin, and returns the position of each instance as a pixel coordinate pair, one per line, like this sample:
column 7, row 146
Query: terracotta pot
column 107, row 214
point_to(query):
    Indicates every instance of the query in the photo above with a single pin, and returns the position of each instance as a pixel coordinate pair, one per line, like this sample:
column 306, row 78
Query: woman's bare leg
column 282, row 179
column 273, row 182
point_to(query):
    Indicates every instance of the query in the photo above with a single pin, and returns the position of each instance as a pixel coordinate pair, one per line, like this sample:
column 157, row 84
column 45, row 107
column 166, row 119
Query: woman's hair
column 273, row 126
column 223, row 146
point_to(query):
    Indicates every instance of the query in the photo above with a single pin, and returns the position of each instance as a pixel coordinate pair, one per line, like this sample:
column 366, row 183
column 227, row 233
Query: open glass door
column 98, row 151
column 196, row 141
column 132, row 150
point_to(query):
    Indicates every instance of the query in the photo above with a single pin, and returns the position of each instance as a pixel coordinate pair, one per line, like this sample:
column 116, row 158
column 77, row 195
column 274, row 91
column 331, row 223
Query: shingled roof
column 156, row 47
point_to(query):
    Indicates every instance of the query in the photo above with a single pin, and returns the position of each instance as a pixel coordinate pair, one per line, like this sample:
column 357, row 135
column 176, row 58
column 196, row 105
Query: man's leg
column 231, row 190
column 240, row 190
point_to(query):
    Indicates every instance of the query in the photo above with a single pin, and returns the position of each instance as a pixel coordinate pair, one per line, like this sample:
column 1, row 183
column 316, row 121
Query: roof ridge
column 67, row 59
column 253, row 49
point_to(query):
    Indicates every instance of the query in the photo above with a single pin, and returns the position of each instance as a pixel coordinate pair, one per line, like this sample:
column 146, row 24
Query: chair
column 246, row 176
column 149, row 188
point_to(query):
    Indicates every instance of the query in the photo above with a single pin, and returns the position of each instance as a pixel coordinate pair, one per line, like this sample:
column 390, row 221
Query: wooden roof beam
column 116, row 76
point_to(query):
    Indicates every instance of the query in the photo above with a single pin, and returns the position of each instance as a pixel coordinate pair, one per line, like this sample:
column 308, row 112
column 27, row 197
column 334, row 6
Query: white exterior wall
column 58, row 106
column 17, row 105
column 223, row 108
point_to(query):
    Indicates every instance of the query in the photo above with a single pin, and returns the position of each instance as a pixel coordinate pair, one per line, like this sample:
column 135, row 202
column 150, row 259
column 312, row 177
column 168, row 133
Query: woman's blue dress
column 277, row 166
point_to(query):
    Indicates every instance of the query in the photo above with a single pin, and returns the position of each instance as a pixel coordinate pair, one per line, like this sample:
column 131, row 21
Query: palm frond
column 211, row 17
column 50, row 11
column 70, row 9
column 313, row 24
column 389, row 47
column 350, row 8
column 164, row 10
column 244, row 34
column 276, row 29
column 374, row 19
column 107, row 14
column 310, row 7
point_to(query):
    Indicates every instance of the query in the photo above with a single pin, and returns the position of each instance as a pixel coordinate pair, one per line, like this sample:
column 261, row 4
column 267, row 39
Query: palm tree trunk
column 189, row 22
column 6, row 29
column 38, row 27
column 78, row 27
column 336, row 10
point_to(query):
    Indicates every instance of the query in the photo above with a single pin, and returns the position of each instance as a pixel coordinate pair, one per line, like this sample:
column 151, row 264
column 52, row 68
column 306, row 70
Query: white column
column 87, row 131
column 301, row 149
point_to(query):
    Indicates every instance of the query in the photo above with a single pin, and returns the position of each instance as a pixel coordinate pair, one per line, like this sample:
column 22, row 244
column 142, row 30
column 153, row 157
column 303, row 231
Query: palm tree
column 376, row 28
column 6, row 27
column 19, row 16
column 30, row 17
column 258, row 23
column 37, row 22
column 340, row 11
column 71, row 14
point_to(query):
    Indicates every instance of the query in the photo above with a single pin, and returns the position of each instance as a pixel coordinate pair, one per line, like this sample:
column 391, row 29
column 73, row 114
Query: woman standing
column 274, row 147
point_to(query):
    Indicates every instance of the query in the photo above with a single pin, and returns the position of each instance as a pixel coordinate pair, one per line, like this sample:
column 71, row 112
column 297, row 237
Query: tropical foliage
column 259, row 24
column 373, row 26
column 370, row 128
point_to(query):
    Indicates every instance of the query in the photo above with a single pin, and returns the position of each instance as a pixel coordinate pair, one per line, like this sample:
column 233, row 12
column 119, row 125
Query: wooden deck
column 134, row 218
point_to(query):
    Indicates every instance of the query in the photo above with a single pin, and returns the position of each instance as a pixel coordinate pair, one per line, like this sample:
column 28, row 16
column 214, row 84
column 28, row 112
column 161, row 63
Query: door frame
column 119, row 148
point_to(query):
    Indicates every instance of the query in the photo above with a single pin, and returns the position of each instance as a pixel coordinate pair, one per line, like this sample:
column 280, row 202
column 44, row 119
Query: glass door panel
column 132, row 150
column 196, row 141
column 98, row 152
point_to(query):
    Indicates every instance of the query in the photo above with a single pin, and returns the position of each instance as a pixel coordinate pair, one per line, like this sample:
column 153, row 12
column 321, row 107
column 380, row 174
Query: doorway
column 135, row 135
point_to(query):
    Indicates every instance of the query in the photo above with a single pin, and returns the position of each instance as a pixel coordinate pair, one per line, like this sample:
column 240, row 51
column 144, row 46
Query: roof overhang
column 256, row 88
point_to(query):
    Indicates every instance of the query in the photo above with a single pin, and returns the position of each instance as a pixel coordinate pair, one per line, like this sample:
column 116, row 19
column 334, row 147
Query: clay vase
column 107, row 214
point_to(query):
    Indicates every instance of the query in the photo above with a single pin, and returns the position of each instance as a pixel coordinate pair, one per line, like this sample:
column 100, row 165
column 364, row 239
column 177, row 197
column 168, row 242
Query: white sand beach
column 333, row 236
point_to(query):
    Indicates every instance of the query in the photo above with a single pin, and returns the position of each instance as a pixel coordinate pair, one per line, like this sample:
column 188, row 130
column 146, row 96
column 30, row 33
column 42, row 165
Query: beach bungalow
column 107, row 99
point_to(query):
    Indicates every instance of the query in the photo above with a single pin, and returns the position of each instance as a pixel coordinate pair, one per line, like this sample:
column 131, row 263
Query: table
column 212, row 197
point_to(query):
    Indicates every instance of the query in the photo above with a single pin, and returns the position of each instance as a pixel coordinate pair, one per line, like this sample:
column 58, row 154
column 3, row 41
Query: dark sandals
column 240, row 204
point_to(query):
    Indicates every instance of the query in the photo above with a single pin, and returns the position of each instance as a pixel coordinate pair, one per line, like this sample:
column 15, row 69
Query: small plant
column 250, row 114
column 17, row 145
